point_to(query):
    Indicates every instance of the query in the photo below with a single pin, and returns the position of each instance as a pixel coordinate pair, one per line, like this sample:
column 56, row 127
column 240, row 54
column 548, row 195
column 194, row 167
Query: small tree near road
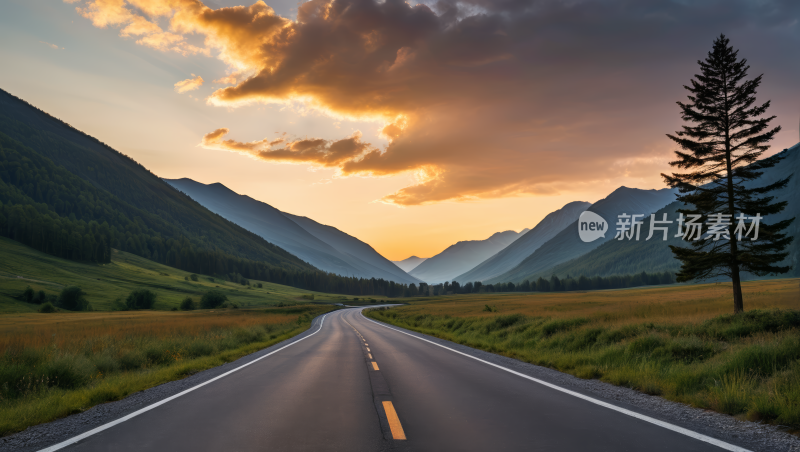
column 720, row 151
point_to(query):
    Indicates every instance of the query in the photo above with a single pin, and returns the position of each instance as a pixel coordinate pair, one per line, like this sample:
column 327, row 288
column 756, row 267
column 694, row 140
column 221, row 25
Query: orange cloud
column 313, row 151
column 190, row 84
column 478, row 99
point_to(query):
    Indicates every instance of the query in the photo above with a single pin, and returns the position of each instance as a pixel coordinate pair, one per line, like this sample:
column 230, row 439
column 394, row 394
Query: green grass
column 674, row 342
column 21, row 267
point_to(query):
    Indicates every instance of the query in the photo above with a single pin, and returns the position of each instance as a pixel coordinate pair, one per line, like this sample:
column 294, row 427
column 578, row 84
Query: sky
column 408, row 125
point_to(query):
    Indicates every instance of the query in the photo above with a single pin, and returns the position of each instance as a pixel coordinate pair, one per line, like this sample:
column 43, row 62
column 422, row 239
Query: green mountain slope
column 22, row 267
column 149, row 217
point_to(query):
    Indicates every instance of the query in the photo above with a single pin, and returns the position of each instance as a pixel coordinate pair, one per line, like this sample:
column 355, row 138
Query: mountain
column 510, row 256
column 68, row 194
column 324, row 247
column 620, row 257
column 410, row 263
column 567, row 245
column 462, row 256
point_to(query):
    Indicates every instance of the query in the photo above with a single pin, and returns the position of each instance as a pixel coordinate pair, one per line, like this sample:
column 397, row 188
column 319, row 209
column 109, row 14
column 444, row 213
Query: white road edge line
column 666, row 425
column 107, row 426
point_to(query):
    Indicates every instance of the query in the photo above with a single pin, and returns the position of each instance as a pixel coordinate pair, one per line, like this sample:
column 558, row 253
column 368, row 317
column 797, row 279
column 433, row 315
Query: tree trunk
column 738, row 301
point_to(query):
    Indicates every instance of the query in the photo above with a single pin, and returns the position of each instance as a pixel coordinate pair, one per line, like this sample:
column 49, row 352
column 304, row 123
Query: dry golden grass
column 681, row 342
column 69, row 330
column 52, row 365
column 676, row 304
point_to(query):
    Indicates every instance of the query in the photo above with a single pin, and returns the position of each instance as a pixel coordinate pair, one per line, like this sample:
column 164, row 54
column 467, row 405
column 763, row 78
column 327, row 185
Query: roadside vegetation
column 676, row 342
column 63, row 363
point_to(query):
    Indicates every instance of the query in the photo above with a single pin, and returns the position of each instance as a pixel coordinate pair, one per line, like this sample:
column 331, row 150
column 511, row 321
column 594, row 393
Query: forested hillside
column 65, row 193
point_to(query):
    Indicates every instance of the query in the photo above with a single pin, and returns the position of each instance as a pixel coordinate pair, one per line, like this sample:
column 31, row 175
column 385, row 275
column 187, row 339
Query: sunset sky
column 408, row 125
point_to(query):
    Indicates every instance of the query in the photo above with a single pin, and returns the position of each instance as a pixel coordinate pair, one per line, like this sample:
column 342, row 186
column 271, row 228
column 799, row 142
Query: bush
column 73, row 298
column 27, row 295
column 47, row 308
column 141, row 299
column 213, row 299
column 188, row 304
column 193, row 277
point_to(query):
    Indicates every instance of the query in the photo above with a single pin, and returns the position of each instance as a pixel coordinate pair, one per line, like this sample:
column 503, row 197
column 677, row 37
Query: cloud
column 315, row 151
column 189, row 84
column 52, row 46
column 477, row 98
column 229, row 79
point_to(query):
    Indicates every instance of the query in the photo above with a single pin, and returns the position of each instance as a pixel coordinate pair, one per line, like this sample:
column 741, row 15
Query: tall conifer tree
column 720, row 150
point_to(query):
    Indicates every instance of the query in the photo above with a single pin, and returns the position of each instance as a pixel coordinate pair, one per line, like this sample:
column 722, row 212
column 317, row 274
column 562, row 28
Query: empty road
column 352, row 384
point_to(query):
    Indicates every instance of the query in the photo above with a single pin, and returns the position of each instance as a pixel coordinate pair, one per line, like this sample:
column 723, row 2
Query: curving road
column 352, row 384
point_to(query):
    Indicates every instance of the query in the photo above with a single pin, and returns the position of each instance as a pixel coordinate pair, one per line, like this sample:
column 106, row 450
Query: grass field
column 679, row 342
column 21, row 267
column 55, row 364
column 52, row 365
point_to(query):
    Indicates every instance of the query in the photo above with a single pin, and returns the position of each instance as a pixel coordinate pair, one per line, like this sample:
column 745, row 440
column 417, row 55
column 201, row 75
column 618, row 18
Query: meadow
column 53, row 365
column 681, row 342
column 22, row 267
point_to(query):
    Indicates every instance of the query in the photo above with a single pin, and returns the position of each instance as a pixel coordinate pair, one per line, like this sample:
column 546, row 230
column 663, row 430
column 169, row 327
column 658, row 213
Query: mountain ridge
column 509, row 257
column 566, row 245
column 322, row 246
column 463, row 255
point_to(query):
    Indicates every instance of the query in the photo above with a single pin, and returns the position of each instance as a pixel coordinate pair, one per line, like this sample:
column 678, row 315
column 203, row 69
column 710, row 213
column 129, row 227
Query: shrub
column 27, row 295
column 308, row 296
column 47, row 308
column 213, row 299
column 73, row 298
column 188, row 304
column 141, row 299
column 193, row 277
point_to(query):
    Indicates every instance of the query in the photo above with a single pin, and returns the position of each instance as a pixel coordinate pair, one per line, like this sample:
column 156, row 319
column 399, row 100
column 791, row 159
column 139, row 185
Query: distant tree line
column 554, row 284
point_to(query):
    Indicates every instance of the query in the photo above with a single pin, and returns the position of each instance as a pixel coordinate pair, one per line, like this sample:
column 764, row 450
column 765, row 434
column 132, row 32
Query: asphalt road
column 356, row 385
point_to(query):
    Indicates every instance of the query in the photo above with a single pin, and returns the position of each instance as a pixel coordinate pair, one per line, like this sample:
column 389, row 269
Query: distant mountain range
column 511, row 256
column 567, row 245
column 410, row 263
column 462, row 256
column 324, row 247
column 619, row 257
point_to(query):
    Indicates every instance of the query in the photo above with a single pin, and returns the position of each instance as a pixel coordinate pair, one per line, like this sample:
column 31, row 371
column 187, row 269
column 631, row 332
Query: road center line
column 374, row 366
column 666, row 425
column 107, row 426
column 394, row 421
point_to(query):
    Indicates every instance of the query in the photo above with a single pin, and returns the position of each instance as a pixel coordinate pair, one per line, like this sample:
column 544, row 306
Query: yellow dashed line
column 374, row 366
column 370, row 355
column 394, row 421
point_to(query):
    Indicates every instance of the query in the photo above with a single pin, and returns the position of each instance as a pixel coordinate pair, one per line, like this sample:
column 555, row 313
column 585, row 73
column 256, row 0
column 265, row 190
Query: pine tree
column 720, row 150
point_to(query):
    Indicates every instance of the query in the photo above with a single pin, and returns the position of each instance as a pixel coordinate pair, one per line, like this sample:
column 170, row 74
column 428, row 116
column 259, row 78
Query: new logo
column 591, row 226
